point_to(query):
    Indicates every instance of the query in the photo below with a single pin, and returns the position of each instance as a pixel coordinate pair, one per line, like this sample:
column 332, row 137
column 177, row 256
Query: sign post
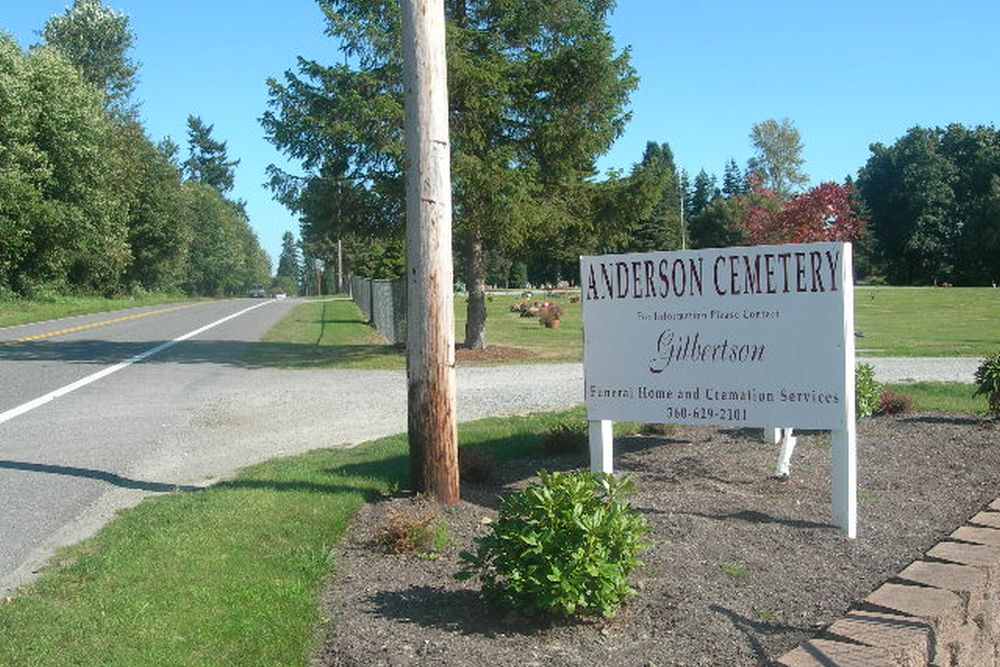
column 747, row 337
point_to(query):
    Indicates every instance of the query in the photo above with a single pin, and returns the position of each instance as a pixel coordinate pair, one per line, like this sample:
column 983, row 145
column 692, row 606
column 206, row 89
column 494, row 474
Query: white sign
column 746, row 336
column 319, row 264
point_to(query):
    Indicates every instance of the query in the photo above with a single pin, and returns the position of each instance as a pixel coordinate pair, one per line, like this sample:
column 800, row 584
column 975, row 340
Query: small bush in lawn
column 478, row 466
column 866, row 391
column 566, row 438
column 894, row 403
column 988, row 382
column 418, row 532
column 564, row 546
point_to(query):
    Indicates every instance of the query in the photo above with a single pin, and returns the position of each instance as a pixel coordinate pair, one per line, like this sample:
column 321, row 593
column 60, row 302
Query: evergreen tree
column 733, row 180
column 703, row 192
column 717, row 225
column 536, row 91
column 289, row 265
column 208, row 161
column 661, row 229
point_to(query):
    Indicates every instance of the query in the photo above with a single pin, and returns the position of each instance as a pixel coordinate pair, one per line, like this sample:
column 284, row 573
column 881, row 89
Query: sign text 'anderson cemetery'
column 747, row 336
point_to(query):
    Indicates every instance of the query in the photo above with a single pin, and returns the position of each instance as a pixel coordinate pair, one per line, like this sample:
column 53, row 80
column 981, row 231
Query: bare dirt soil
column 741, row 568
column 490, row 354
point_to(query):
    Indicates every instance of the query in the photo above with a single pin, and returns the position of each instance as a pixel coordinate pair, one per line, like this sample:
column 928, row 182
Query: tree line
column 538, row 92
column 88, row 202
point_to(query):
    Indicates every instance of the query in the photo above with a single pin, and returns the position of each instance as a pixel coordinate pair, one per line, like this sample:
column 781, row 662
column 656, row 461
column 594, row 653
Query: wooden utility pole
column 430, row 336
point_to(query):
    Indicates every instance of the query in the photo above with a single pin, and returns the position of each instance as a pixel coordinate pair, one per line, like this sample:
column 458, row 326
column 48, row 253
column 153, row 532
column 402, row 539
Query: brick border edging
column 945, row 610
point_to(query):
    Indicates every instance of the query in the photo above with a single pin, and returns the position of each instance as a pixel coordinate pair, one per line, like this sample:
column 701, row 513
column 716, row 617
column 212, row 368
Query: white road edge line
column 83, row 382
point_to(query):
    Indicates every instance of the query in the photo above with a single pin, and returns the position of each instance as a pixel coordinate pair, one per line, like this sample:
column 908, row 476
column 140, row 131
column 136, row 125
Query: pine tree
column 704, row 191
column 661, row 230
column 537, row 91
column 733, row 180
column 208, row 162
column 289, row 265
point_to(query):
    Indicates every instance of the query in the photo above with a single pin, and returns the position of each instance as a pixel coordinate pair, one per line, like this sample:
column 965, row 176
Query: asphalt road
column 186, row 416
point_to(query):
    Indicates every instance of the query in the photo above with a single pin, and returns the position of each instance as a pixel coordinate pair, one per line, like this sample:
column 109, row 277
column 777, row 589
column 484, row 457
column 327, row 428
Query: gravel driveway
column 923, row 369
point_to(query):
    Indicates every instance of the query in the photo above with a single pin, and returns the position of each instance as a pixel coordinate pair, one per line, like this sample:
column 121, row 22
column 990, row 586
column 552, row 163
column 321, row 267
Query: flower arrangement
column 550, row 315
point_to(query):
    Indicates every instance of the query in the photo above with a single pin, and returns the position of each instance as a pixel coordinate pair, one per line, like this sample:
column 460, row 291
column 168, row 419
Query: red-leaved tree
column 821, row 214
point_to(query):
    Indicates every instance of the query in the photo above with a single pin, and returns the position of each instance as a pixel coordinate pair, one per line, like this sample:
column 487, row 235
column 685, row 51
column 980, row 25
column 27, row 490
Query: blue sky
column 847, row 74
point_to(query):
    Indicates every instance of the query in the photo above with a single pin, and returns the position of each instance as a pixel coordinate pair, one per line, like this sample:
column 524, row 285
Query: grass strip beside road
column 228, row 575
column 24, row 311
column 324, row 334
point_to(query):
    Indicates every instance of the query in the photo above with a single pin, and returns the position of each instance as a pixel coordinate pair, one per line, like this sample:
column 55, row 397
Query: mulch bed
column 712, row 504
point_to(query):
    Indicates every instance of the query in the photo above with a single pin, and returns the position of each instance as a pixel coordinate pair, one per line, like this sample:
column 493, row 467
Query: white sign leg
column 785, row 454
column 772, row 435
column 844, row 478
column 601, row 447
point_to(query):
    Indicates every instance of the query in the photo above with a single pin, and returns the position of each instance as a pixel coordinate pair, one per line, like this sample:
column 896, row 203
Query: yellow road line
column 94, row 325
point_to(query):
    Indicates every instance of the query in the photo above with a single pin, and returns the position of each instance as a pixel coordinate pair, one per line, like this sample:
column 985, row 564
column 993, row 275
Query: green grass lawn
column 228, row 575
column 24, row 311
column 509, row 329
column 943, row 397
column 927, row 321
column 324, row 334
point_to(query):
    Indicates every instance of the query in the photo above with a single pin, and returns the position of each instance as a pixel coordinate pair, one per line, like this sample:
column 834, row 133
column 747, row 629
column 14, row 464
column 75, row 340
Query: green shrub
column 564, row 546
column 988, row 382
column 866, row 391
